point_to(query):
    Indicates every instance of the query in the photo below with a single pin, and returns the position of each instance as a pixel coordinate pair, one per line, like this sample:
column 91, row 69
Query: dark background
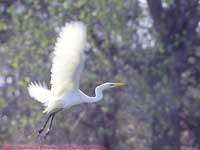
column 153, row 46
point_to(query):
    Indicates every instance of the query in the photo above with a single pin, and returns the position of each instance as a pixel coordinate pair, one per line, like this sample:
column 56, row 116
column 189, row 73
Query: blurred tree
column 29, row 30
column 156, row 54
column 174, row 71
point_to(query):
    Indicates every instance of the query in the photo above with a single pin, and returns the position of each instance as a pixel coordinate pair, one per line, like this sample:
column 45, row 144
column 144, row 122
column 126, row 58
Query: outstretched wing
column 68, row 59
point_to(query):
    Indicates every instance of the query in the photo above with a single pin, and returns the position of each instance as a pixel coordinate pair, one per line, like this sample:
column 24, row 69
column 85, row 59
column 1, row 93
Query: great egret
column 68, row 63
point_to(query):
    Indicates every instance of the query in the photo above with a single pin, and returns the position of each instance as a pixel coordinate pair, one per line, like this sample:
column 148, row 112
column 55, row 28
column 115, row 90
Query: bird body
column 68, row 63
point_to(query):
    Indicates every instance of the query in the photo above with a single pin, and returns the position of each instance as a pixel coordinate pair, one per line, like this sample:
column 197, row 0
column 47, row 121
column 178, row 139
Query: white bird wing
column 40, row 92
column 68, row 61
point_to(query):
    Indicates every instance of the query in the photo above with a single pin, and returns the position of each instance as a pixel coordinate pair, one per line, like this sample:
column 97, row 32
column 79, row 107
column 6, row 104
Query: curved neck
column 98, row 95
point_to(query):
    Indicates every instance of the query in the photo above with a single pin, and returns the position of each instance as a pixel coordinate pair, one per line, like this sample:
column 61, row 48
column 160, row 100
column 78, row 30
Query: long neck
column 98, row 95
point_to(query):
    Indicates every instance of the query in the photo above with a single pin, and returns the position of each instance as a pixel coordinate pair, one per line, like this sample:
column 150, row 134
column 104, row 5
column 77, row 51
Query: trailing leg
column 45, row 124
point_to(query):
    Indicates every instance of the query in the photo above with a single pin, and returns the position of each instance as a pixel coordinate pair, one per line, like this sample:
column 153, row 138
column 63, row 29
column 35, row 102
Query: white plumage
column 69, row 58
column 40, row 92
column 68, row 63
column 67, row 66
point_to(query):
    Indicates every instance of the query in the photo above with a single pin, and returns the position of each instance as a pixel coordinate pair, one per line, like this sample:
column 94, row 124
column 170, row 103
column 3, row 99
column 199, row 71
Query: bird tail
column 39, row 92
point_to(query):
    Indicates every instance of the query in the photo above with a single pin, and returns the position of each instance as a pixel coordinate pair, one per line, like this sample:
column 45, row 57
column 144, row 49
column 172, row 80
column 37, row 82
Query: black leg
column 50, row 126
column 52, row 115
column 45, row 124
column 51, row 123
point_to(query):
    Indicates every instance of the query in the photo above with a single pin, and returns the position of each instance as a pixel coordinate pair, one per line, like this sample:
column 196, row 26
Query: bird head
column 99, row 89
column 109, row 85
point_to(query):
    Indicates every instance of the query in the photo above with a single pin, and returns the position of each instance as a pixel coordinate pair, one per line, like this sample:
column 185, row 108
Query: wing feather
column 40, row 92
column 68, row 58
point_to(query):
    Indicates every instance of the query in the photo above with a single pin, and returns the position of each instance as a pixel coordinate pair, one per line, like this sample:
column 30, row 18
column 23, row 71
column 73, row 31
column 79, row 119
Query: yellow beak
column 118, row 84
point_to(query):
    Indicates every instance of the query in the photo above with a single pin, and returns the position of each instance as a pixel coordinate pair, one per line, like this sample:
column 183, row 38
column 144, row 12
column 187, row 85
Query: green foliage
column 2, row 101
column 122, row 47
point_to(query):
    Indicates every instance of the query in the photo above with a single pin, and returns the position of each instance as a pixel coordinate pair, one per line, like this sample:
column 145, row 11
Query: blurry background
column 153, row 46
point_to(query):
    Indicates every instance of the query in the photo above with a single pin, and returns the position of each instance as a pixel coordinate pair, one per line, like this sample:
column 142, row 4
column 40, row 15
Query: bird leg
column 52, row 115
column 50, row 126
column 51, row 123
column 45, row 124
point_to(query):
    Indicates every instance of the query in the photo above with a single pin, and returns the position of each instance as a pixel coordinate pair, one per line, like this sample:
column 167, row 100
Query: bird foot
column 40, row 131
column 47, row 133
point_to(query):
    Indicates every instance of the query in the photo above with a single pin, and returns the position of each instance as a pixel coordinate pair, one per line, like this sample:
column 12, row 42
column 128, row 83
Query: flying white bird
column 68, row 63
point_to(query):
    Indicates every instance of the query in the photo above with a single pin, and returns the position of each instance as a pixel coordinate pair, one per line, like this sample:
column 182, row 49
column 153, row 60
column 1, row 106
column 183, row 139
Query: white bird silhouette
column 68, row 63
